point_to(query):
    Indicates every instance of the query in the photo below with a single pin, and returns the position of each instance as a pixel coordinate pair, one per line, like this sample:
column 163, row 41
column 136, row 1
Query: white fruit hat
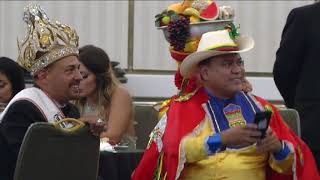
column 212, row 44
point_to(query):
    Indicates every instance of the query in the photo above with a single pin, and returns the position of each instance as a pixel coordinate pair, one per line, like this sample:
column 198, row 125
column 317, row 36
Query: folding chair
column 291, row 117
column 147, row 118
column 49, row 152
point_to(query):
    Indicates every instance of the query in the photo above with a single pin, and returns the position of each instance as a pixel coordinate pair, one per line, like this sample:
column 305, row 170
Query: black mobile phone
column 262, row 120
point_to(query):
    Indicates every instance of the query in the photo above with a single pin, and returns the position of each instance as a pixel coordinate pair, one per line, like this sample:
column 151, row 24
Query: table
column 118, row 165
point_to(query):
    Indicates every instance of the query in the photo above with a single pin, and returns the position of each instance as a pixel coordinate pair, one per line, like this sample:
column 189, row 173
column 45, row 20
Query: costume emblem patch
column 157, row 133
column 58, row 116
column 234, row 115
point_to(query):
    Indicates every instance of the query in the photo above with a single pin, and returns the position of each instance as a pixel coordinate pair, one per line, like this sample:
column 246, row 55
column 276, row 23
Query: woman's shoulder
column 121, row 95
column 121, row 91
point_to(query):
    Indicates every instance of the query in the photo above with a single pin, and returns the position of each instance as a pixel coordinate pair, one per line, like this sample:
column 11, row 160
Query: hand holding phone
column 262, row 120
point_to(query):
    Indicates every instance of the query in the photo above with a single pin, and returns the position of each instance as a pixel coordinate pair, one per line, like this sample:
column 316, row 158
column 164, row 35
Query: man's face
column 223, row 75
column 63, row 78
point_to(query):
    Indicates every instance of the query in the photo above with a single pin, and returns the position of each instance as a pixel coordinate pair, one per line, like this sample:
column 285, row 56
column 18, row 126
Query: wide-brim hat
column 212, row 44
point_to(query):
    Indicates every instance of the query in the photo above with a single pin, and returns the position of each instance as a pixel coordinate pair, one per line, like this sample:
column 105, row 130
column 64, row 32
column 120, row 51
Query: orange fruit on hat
column 177, row 7
column 187, row 3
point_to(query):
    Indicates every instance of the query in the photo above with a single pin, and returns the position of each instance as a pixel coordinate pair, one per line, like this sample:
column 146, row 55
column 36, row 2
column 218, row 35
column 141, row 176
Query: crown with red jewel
column 183, row 25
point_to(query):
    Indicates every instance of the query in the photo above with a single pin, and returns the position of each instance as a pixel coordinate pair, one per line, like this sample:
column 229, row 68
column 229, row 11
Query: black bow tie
column 65, row 109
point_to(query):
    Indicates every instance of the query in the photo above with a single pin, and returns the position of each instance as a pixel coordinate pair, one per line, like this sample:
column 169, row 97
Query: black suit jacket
column 298, row 58
column 13, row 127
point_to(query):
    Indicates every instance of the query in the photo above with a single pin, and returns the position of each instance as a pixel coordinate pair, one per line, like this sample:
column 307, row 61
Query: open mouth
column 75, row 88
column 236, row 80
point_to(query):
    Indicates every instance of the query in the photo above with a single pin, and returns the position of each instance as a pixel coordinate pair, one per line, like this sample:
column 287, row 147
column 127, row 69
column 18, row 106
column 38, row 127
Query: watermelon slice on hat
column 210, row 13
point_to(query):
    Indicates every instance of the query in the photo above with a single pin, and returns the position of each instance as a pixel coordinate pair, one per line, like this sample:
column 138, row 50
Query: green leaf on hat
column 158, row 16
column 170, row 12
column 157, row 23
column 234, row 31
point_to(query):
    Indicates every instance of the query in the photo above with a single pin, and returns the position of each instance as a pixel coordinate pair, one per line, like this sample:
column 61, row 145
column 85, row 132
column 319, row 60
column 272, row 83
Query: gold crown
column 49, row 40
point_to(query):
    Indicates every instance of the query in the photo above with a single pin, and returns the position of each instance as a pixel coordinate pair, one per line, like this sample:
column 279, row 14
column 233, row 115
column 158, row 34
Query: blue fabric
column 283, row 154
column 214, row 144
column 218, row 104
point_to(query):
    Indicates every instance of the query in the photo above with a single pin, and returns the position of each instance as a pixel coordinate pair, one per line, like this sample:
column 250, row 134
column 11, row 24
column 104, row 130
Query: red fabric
column 176, row 129
column 305, row 164
column 191, row 85
column 178, row 78
column 183, row 117
column 178, row 56
column 228, row 49
column 148, row 164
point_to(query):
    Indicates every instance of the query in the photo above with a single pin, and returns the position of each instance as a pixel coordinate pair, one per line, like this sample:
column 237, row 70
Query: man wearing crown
column 211, row 134
column 49, row 52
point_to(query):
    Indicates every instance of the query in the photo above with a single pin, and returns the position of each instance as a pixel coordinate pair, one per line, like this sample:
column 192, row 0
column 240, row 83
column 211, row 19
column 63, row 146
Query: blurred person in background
column 11, row 80
column 296, row 70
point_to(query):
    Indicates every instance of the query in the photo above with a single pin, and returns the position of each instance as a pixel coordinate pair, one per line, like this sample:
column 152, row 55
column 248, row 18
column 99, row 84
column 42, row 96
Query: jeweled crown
column 45, row 41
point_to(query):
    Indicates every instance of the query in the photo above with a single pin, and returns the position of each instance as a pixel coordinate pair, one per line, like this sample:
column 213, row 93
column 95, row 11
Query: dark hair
column 94, row 58
column 205, row 62
column 208, row 60
column 14, row 73
column 97, row 61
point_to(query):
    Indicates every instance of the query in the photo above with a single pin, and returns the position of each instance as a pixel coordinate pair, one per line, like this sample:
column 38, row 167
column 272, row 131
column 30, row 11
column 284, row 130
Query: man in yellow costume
column 211, row 134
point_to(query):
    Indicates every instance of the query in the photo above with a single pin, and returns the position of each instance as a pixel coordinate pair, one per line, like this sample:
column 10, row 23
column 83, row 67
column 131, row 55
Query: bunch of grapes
column 179, row 33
